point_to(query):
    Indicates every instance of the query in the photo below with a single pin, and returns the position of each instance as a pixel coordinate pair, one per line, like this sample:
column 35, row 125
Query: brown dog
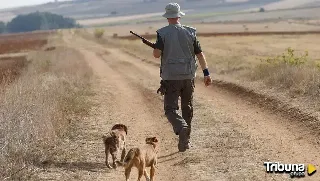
column 114, row 141
column 142, row 157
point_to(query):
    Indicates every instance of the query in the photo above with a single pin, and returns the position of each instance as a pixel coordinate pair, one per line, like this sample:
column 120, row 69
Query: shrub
column 288, row 58
column 98, row 33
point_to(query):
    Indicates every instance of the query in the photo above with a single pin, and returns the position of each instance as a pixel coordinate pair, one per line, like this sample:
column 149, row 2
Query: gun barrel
column 136, row 34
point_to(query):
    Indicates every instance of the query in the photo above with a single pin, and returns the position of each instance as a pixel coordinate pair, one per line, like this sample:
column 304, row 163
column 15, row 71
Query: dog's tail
column 132, row 153
column 120, row 126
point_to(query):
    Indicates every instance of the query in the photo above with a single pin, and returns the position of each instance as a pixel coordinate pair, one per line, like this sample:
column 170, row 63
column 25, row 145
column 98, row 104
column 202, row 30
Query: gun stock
column 145, row 41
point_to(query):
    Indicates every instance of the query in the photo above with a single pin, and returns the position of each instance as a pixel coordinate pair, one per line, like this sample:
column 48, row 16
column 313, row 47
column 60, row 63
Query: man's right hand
column 207, row 80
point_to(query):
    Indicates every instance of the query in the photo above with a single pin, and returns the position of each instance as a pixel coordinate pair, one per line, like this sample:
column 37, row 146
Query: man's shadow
column 165, row 158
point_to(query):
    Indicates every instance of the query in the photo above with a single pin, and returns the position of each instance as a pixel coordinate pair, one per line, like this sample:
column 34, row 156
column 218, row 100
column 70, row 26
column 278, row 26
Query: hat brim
column 173, row 15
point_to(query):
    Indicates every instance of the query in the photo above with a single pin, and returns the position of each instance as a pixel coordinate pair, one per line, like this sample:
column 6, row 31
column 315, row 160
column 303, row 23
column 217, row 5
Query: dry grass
column 37, row 109
column 10, row 68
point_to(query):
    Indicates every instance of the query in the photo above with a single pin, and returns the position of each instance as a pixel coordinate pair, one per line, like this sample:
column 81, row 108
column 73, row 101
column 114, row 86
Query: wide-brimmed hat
column 173, row 11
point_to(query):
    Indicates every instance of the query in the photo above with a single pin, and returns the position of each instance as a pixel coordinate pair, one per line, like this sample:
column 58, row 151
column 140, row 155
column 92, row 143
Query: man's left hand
column 162, row 89
column 207, row 80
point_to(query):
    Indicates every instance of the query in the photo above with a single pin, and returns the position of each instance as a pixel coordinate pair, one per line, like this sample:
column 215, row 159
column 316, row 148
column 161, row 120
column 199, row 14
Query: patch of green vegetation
column 288, row 58
column 98, row 32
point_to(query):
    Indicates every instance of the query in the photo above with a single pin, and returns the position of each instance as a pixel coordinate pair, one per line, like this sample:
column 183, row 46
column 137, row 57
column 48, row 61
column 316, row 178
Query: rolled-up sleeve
column 159, row 43
column 197, row 46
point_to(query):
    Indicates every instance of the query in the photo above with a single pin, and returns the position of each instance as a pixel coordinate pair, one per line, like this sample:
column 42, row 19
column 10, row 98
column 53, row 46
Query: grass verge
column 38, row 109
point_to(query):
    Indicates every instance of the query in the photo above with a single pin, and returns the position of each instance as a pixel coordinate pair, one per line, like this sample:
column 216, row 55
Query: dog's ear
column 104, row 137
column 155, row 139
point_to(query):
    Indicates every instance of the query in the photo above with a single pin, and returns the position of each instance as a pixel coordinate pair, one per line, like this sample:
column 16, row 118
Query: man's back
column 178, row 56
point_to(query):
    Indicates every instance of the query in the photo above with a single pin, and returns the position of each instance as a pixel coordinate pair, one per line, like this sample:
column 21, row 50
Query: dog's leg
column 123, row 154
column 141, row 170
column 140, row 174
column 114, row 158
column 127, row 172
column 152, row 172
column 146, row 175
column 107, row 152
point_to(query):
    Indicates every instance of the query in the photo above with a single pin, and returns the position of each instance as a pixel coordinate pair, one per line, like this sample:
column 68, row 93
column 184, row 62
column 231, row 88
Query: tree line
column 37, row 21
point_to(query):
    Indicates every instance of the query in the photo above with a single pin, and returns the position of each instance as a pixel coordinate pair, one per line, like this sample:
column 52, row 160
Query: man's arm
column 158, row 47
column 201, row 57
column 202, row 60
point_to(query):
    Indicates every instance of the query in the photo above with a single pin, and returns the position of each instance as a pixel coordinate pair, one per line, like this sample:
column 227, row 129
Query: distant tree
column 3, row 27
column 114, row 12
column 261, row 10
column 40, row 21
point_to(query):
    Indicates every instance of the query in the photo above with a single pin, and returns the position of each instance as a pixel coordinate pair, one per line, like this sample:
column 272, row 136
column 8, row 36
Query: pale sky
column 14, row 3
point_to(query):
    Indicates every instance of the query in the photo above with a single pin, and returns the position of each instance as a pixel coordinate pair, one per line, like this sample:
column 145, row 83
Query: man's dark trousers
column 174, row 89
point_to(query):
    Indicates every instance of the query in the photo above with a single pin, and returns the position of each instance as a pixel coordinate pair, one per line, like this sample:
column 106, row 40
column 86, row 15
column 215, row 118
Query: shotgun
column 145, row 41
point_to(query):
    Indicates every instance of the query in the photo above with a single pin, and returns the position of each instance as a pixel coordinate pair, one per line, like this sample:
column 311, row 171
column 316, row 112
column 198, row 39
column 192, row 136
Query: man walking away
column 178, row 47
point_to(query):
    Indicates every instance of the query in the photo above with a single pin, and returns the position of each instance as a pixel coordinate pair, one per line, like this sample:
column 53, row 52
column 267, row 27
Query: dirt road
column 231, row 137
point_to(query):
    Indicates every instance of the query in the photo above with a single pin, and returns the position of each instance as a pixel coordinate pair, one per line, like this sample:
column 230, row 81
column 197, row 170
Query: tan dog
column 114, row 141
column 142, row 157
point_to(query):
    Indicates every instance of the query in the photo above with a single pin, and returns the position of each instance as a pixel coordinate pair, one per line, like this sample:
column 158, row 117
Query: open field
column 15, row 43
column 207, row 28
column 287, row 4
column 13, row 52
column 307, row 13
column 194, row 16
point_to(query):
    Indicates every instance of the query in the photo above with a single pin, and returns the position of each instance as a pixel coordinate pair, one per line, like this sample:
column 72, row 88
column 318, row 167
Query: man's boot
column 183, row 139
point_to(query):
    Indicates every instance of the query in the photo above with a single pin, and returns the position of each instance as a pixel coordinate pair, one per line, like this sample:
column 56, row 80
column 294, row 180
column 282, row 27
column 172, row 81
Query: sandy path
column 232, row 137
